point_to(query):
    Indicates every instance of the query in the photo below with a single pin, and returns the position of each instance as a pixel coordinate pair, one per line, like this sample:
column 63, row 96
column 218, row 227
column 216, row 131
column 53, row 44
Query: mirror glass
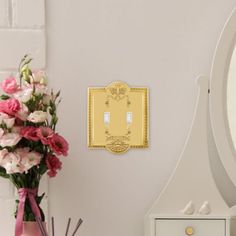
column 231, row 97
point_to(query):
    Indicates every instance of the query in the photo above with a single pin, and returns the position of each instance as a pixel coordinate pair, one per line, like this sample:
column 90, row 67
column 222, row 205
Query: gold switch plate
column 117, row 117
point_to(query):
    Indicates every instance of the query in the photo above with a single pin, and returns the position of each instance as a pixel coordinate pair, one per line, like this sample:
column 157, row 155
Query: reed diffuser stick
column 40, row 225
column 77, row 226
column 53, row 230
column 68, row 226
column 44, row 230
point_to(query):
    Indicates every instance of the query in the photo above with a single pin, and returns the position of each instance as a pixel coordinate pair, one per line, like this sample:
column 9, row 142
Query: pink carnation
column 10, row 106
column 9, row 85
column 53, row 165
column 30, row 133
column 58, row 144
column 44, row 133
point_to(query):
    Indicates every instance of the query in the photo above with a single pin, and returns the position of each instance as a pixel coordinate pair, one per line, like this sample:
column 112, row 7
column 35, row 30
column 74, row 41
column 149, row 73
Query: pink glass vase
column 30, row 228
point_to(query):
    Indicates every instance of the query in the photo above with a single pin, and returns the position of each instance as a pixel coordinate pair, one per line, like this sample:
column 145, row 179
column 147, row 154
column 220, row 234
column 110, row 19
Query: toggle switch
column 106, row 118
column 129, row 117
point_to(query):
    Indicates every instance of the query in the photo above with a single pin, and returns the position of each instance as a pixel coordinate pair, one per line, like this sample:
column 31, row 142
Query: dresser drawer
column 196, row 227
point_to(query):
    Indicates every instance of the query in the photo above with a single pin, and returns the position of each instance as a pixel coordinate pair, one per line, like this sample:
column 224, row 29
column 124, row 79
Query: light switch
column 129, row 117
column 107, row 118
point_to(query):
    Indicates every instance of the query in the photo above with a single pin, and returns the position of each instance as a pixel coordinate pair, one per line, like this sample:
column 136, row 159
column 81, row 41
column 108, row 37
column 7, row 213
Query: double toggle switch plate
column 118, row 117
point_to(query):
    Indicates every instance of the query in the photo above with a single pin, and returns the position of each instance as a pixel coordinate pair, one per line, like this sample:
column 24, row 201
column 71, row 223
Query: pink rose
column 28, row 158
column 12, row 163
column 9, row 139
column 10, row 106
column 9, row 85
column 53, row 165
column 19, row 161
column 30, row 133
column 44, row 133
column 38, row 116
column 39, row 76
column 24, row 94
column 58, row 144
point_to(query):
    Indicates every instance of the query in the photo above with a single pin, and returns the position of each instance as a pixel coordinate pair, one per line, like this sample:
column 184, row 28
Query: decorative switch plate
column 117, row 117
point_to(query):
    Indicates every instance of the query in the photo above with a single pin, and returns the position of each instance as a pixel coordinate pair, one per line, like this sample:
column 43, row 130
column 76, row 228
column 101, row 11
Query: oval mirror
column 223, row 97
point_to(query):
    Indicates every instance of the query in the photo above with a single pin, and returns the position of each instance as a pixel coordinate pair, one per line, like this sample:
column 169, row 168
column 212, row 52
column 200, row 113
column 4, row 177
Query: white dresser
column 196, row 227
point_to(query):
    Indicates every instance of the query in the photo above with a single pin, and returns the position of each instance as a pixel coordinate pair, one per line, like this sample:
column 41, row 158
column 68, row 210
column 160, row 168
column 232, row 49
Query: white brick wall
column 22, row 31
column 28, row 13
column 4, row 13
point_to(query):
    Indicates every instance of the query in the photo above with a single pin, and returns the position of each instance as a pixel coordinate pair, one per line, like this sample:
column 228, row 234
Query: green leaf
column 40, row 198
column 54, row 119
column 42, row 167
column 3, row 173
column 58, row 94
column 4, row 97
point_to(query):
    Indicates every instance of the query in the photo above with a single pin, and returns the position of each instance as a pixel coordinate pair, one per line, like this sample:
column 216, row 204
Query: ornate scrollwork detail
column 117, row 91
column 118, row 145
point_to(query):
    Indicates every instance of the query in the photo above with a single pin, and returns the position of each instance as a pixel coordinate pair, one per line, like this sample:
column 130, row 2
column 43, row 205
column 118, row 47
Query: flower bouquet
column 29, row 143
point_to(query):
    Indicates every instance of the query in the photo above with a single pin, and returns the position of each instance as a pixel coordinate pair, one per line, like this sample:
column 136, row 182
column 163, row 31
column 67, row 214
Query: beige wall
column 160, row 44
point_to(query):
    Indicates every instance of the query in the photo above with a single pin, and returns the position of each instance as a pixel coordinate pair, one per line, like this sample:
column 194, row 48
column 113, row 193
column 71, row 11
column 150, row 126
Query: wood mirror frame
column 218, row 97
